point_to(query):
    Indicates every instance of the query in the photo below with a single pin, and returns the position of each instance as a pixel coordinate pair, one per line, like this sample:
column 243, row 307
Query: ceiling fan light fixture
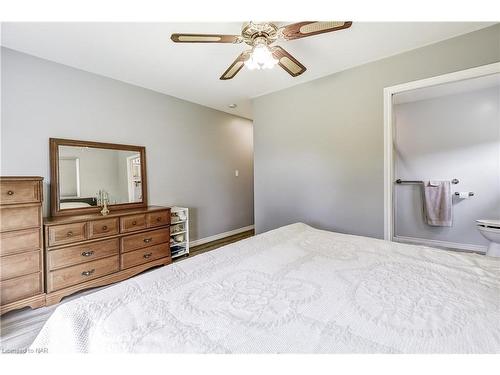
column 261, row 57
column 260, row 36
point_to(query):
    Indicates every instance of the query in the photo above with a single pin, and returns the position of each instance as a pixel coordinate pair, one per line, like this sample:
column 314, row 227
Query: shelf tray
column 178, row 244
column 177, row 222
column 179, row 254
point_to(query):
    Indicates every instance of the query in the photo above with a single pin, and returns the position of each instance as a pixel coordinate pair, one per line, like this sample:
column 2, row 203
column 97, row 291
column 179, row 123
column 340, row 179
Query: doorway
column 417, row 153
column 134, row 178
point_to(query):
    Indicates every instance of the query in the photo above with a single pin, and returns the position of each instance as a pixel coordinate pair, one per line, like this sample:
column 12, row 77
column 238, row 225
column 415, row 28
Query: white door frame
column 389, row 130
column 130, row 183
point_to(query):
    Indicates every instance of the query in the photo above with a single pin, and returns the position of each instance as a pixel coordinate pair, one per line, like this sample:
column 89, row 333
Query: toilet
column 490, row 229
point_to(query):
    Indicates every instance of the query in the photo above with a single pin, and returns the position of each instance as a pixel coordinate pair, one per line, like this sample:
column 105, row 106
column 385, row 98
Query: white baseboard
column 443, row 244
column 216, row 237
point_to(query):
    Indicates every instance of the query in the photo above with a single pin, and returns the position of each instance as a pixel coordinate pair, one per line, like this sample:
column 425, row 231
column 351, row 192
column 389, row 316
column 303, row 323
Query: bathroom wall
column 454, row 136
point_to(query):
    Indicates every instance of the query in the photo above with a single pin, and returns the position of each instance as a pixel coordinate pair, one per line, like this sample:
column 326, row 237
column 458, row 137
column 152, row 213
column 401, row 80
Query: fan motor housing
column 253, row 30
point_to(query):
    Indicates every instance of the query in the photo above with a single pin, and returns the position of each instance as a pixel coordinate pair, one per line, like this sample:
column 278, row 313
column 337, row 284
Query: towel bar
column 400, row 181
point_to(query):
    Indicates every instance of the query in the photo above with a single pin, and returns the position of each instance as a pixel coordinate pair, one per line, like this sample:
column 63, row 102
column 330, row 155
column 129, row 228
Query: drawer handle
column 104, row 227
column 148, row 255
column 148, row 240
column 134, row 222
column 10, row 192
column 158, row 218
column 88, row 273
column 88, row 253
column 69, row 234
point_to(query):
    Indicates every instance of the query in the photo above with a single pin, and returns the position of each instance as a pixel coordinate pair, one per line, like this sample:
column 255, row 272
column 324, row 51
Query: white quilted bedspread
column 295, row 289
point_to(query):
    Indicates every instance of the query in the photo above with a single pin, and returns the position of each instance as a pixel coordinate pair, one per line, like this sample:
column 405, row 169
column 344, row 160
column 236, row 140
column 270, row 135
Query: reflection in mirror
column 70, row 177
column 87, row 175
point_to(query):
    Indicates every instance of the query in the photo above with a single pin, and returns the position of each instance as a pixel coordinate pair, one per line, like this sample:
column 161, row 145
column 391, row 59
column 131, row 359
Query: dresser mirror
column 85, row 175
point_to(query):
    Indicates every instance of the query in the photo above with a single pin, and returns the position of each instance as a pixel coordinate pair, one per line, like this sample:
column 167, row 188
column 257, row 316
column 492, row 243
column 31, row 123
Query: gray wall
column 319, row 145
column 191, row 151
column 454, row 136
column 68, row 177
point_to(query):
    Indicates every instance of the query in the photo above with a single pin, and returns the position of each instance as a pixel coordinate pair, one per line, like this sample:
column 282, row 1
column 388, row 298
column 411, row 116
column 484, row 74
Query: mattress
column 295, row 289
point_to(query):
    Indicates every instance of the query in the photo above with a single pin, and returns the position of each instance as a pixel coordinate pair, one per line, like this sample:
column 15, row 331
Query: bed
column 68, row 205
column 80, row 202
column 295, row 289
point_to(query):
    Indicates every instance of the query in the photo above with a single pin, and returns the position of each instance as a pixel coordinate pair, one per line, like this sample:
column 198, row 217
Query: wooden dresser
column 94, row 250
column 21, row 243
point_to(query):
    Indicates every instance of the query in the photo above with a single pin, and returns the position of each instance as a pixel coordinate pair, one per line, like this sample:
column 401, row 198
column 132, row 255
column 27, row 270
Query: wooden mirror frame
column 54, row 144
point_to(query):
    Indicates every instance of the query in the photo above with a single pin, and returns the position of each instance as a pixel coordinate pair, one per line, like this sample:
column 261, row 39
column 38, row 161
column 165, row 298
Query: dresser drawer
column 138, row 241
column 103, row 228
column 67, row 233
column 134, row 258
column 156, row 219
column 132, row 223
column 20, row 264
column 72, row 255
column 13, row 218
column 80, row 273
column 19, row 241
column 20, row 287
column 14, row 192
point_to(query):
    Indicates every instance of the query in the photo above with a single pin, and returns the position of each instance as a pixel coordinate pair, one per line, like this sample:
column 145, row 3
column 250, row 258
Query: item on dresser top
column 104, row 199
column 21, row 244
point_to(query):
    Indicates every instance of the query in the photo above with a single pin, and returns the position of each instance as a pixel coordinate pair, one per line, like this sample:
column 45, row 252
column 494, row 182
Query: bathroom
column 449, row 133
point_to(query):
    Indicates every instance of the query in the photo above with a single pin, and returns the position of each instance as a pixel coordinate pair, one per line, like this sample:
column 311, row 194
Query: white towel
column 437, row 203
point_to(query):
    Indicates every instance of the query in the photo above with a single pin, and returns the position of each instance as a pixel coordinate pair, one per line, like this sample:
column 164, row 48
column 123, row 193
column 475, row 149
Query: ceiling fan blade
column 288, row 62
column 205, row 38
column 308, row 28
column 236, row 66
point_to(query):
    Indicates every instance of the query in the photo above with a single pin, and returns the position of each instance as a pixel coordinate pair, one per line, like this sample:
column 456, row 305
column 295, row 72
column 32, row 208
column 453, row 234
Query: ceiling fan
column 261, row 36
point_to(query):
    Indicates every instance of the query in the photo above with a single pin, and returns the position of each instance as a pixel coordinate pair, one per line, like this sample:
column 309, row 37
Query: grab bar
column 400, row 181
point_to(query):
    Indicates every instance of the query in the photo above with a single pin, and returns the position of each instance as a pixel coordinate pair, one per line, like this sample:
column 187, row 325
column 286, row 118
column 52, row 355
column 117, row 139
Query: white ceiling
column 452, row 88
column 143, row 54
